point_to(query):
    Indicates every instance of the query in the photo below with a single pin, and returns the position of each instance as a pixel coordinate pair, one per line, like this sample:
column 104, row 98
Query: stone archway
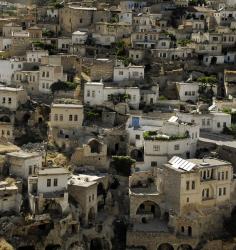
column 53, row 247
column 148, row 210
column 165, row 246
column 137, row 155
column 184, row 247
column 53, row 208
column 5, row 118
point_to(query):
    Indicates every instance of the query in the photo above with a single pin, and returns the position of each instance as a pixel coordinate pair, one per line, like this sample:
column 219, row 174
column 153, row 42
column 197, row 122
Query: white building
column 103, row 39
column 35, row 55
column 188, row 91
column 12, row 98
column 5, row 43
column 95, row 93
column 24, row 164
column 7, row 68
column 208, row 121
column 131, row 72
column 63, row 43
column 49, row 74
column 9, row 28
column 79, row 37
column 48, row 191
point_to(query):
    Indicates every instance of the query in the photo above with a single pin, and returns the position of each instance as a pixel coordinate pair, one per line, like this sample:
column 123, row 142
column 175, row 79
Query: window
column 70, row 117
column 226, row 175
column 93, row 93
column 203, row 122
column 43, row 86
column 121, row 73
column 89, row 198
column 223, row 175
column 137, row 137
column 218, row 175
column 9, row 100
column 93, row 197
column 8, row 132
column 88, row 93
column 220, row 191
column 30, row 170
column 56, row 117
column 193, row 185
column 177, row 147
column 4, row 100
column 81, row 20
column 55, row 182
column 218, row 124
column 224, row 124
column 61, row 117
column 48, row 182
column 186, row 93
column 75, row 118
column 224, row 191
column 43, row 74
column 47, row 74
column 153, row 164
column 187, row 185
column 187, row 199
column 208, row 122
column 156, row 148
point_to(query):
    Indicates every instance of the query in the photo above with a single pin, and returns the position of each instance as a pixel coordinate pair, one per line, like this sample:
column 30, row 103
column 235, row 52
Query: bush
column 60, row 85
column 122, row 164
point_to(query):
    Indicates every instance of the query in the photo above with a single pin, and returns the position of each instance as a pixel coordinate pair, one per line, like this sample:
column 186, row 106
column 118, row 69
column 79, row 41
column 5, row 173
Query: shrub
column 60, row 85
column 122, row 164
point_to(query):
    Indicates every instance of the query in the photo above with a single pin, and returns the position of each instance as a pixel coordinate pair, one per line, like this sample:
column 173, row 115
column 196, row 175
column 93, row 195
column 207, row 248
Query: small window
column 93, row 93
column 226, row 175
column 218, row 124
column 177, row 147
column 88, row 93
column 187, row 185
column 56, row 117
column 70, row 117
column 47, row 74
column 55, row 182
column 75, row 118
column 153, row 164
column 156, row 148
column 137, row 137
column 61, row 117
column 121, row 73
column 89, row 198
column 9, row 100
column 224, row 191
column 193, row 185
column 220, row 191
column 4, row 100
column 48, row 182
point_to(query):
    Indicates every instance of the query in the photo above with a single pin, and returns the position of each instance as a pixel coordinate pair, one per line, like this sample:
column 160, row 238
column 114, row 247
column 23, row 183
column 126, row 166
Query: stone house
column 10, row 28
column 132, row 5
column 5, row 43
column 118, row 30
column 230, row 82
column 144, row 40
column 125, row 17
column 188, row 91
column 35, row 55
column 79, row 37
column 29, row 80
column 178, row 197
column 10, row 196
column 12, row 98
column 212, row 121
column 179, row 53
column 35, row 32
column 49, row 74
column 88, row 191
column 130, row 72
column 95, row 93
column 48, row 191
column 94, row 154
column 64, row 43
column 69, row 21
column 65, row 123
column 7, row 68
column 97, row 69
column 7, row 131
column 136, row 55
column 24, row 164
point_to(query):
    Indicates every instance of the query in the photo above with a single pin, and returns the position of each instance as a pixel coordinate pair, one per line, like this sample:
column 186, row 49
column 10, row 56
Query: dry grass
column 4, row 245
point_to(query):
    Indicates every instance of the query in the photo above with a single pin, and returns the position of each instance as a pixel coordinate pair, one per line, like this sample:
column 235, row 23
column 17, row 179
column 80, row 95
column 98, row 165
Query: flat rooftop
column 53, row 171
column 4, row 88
column 85, row 180
column 23, row 154
column 65, row 105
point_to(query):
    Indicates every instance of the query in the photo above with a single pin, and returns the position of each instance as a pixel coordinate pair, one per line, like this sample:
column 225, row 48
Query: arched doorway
column 184, row 247
column 165, row 246
column 53, row 247
column 26, row 118
column 136, row 154
column 91, row 215
column 189, row 231
column 5, row 118
column 53, row 208
column 149, row 209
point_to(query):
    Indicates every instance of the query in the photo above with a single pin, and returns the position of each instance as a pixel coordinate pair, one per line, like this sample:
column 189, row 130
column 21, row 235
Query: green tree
column 60, row 85
column 122, row 164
